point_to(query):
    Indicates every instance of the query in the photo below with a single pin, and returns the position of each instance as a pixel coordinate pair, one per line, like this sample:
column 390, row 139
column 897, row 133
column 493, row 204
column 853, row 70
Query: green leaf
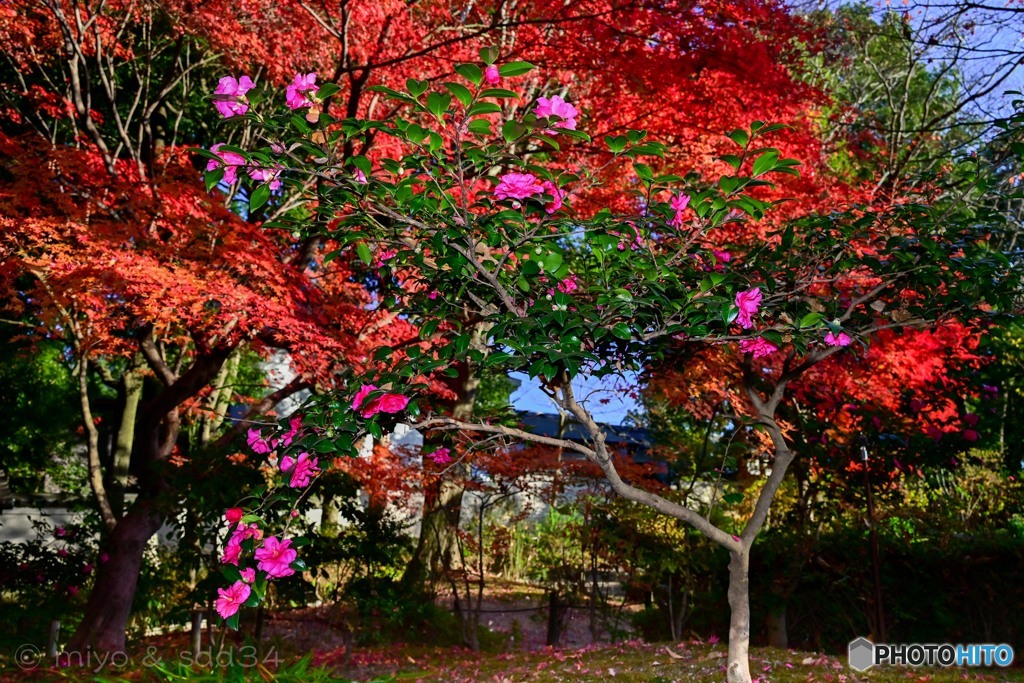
column 765, row 162
column 213, row 178
column 471, row 72
column 615, row 143
column 232, row 621
column 643, row 172
column 489, row 55
column 259, row 197
column 811, row 319
column 513, row 130
column 461, row 93
column 326, row 90
column 500, row 93
column 739, row 136
column 364, row 253
column 622, row 331
column 481, row 127
column 514, row 69
column 438, row 103
column 416, row 88
column 732, row 160
column 483, row 108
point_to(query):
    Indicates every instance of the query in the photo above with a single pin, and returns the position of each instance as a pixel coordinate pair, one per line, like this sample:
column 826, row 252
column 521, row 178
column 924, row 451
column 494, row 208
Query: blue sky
column 607, row 398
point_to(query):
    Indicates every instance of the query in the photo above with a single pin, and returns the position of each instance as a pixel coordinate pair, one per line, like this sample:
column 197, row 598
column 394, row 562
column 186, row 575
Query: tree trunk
column 776, row 622
column 132, row 382
column 739, row 620
column 110, row 601
column 442, row 507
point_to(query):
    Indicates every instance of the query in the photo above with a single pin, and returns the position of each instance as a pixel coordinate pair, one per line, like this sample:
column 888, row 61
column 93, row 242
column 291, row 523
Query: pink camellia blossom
column 232, row 553
column 231, row 100
column 391, row 403
column 841, row 339
column 60, row 532
column 679, row 204
column 248, row 574
column 491, row 75
column 385, row 255
column 229, row 160
column 258, row 444
column 294, row 426
column 296, row 95
column 557, row 196
column 267, row 175
column 275, row 558
column 748, row 302
column 302, row 469
column 970, row 435
column 971, row 419
column 759, row 347
column 360, row 397
column 62, row 553
column 232, row 598
column 569, row 285
column 432, row 295
column 245, row 531
column 721, row 256
column 360, row 176
column 72, row 591
column 87, row 568
column 556, row 107
column 441, row 456
column 388, row 403
column 234, row 515
column 518, row 186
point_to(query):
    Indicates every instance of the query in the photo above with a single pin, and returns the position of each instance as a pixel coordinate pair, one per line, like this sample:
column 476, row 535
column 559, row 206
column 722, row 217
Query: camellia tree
column 469, row 218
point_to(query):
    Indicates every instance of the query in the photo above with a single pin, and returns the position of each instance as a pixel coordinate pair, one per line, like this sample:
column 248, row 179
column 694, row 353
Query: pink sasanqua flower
column 294, row 426
column 491, row 75
column 229, row 160
column 557, row 195
column 569, row 285
column 441, row 456
column 748, row 302
column 387, row 403
column 267, row 175
column 296, row 95
column 275, row 558
column 518, row 186
column 302, row 469
column 232, row 598
column 556, row 107
column 679, row 204
column 841, row 339
column 231, row 96
column 258, row 444
column 759, row 347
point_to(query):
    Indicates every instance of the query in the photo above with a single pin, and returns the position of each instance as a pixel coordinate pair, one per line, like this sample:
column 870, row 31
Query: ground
column 309, row 645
